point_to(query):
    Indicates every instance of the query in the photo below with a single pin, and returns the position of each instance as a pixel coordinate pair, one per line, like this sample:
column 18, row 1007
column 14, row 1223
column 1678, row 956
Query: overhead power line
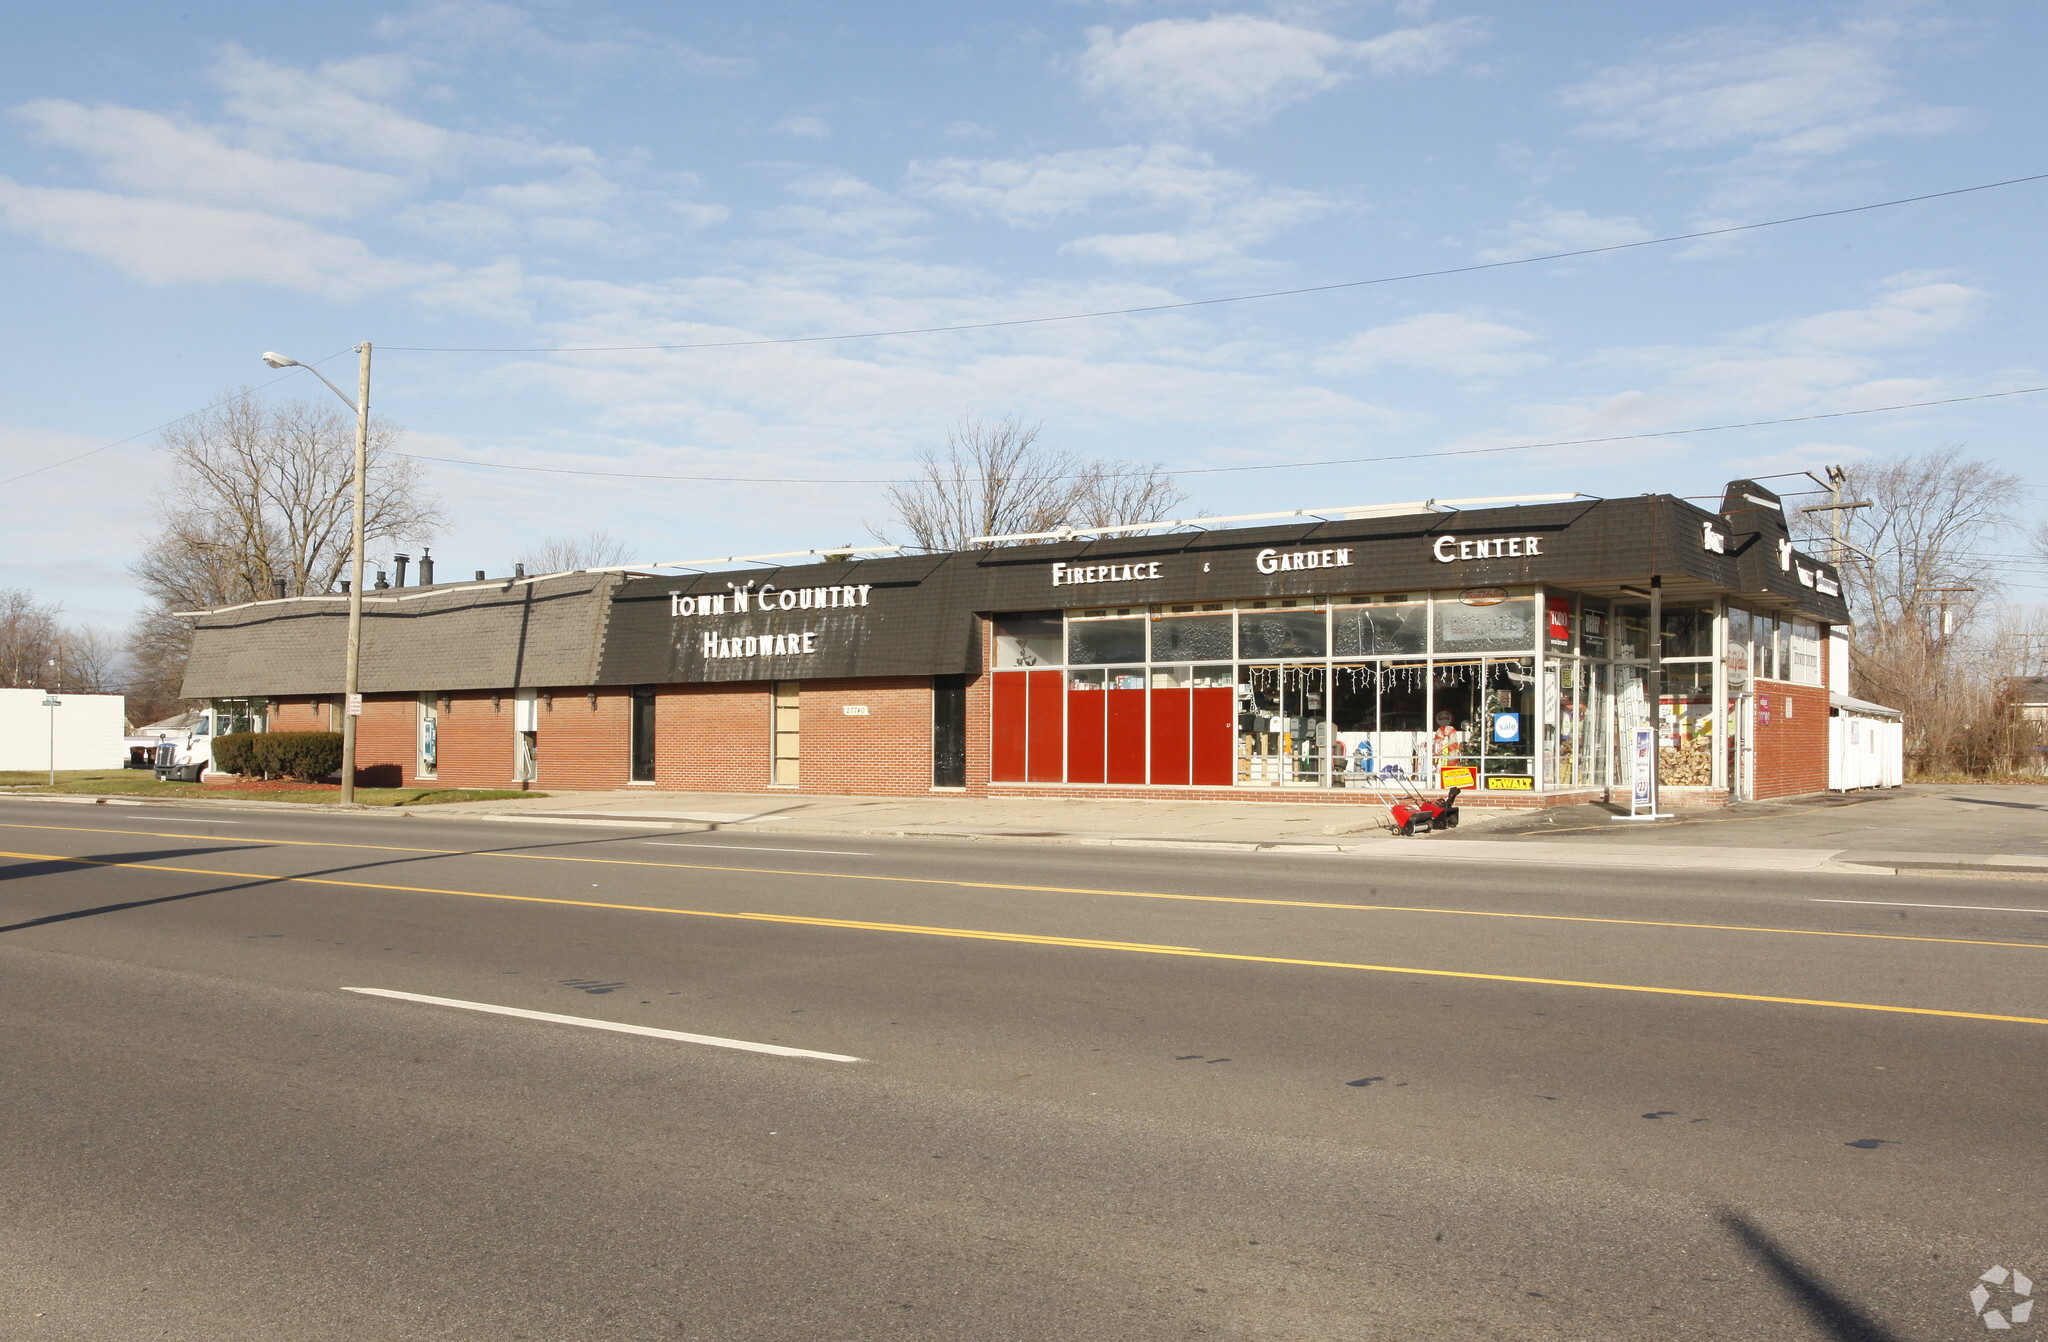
column 1474, row 268
column 191, row 414
column 1267, row 466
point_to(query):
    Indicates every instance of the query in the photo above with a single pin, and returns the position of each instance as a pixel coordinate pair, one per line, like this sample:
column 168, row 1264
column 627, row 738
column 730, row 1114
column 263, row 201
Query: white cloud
column 156, row 156
column 968, row 130
column 830, row 203
column 1778, row 95
column 1550, row 230
column 1910, row 314
column 171, row 242
column 1458, row 343
column 462, row 26
column 1219, row 211
column 807, row 127
column 1232, row 69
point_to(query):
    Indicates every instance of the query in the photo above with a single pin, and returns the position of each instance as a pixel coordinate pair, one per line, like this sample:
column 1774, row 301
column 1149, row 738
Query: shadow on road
column 1831, row 1312
column 85, row 864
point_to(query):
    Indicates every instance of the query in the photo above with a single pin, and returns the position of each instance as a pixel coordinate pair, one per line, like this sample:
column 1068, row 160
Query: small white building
column 1866, row 744
column 86, row 731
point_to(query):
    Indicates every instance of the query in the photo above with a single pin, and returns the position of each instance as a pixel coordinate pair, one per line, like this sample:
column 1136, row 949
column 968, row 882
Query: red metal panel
column 1170, row 737
column 1126, row 736
column 1047, row 726
column 1213, row 749
column 1085, row 727
column 1006, row 728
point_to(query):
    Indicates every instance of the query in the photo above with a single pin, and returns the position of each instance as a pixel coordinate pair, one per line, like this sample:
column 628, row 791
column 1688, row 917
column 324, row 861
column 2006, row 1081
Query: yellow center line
column 962, row 884
column 1081, row 943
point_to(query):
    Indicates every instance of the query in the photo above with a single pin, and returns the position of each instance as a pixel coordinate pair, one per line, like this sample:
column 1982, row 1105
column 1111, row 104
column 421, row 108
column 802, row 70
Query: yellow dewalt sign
column 1511, row 783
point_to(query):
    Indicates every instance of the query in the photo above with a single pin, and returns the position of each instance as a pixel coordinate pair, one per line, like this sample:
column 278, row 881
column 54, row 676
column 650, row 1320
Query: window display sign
column 1507, row 727
column 1458, row 776
column 1559, row 621
column 1510, row 783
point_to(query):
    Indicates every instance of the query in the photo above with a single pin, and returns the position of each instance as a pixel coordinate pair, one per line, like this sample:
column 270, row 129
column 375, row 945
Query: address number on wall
column 854, row 710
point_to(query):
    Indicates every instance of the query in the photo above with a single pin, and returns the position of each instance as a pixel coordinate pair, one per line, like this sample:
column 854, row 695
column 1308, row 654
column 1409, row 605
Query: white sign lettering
column 1449, row 549
column 1272, row 561
column 760, row 645
column 1073, row 575
column 1785, row 555
column 1712, row 540
column 743, row 599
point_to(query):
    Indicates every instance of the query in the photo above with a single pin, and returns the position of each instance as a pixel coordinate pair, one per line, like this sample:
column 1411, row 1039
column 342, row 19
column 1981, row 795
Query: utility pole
column 350, row 682
column 1834, row 508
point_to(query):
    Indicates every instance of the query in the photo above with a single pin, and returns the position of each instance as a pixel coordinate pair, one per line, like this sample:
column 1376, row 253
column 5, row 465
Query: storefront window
column 1631, row 632
column 1388, row 625
column 1094, row 642
column 1354, row 721
column 1738, row 647
column 1278, row 631
column 1191, row 637
column 1593, row 630
column 1688, row 631
column 1504, row 626
column 1805, row 646
column 1685, row 726
column 1030, row 639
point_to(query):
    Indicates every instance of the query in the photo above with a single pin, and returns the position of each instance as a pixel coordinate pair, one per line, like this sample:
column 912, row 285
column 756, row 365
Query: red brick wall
column 1792, row 748
column 584, row 747
column 713, row 738
column 474, row 741
column 388, row 733
column 298, row 715
column 887, row 750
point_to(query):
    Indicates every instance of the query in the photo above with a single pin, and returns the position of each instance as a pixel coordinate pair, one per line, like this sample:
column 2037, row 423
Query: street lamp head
column 276, row 360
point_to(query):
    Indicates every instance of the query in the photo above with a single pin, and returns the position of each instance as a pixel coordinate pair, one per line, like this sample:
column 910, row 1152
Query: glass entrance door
column 1283, row 727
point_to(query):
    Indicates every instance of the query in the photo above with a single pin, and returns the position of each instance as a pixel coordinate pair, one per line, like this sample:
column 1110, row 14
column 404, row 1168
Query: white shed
column 1866, row 744
column 86, row 730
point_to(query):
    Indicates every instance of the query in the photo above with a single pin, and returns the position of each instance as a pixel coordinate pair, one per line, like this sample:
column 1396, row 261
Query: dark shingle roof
column 544, row 632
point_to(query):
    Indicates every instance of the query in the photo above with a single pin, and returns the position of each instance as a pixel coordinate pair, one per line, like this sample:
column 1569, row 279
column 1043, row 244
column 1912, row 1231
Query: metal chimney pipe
column 426, row 567
column 382, row 581
column 519, row 570
column 479, row 575
column 399, row 562
column 278, row 585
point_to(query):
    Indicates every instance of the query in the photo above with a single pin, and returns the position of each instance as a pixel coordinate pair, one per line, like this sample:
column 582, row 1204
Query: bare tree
column 29, row 639
column 565, row 554
column 261, row 493
column 995, row 478
column 1923, row 566
column 91, row 658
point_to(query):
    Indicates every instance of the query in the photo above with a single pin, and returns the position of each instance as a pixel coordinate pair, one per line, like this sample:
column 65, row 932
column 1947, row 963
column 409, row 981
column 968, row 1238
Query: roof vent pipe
column 519, row 570
column 344, row 586
column 426, row 567
column 479, row 575
column 382, row 581
column 277, row 585
column 399, row 562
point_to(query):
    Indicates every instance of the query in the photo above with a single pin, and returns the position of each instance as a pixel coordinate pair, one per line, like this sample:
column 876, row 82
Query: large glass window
column 1688, row 631
column 1484, row 624
column 1280, row 631
column 429, row 736
column 1187, row 635
column 1369, row 627
column 1354, row 721
column 1095, row 642
column 1631, row 632
column 1030, row 639
column 1805, row 653
column 1685, row 726
column 1593, row 630
column 643, row 734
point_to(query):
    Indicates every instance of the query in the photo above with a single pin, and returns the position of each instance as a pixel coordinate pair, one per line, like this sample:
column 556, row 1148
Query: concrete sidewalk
column 1982, row 829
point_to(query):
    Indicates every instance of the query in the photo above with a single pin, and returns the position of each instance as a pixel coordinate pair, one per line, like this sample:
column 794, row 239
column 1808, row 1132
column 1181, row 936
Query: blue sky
column 183, row 187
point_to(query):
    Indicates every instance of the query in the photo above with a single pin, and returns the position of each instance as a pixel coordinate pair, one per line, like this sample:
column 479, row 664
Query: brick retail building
column 1526, row 642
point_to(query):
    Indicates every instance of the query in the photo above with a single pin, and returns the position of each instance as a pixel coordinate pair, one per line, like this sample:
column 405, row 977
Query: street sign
column 53, row 703
column 355, row 705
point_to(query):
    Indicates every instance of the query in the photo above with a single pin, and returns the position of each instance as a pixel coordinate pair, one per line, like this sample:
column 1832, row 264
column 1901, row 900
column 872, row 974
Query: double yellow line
column 1083, row 943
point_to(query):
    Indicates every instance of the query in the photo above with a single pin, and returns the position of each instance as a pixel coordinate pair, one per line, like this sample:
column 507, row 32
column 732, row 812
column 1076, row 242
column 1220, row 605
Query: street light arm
column 345, row 397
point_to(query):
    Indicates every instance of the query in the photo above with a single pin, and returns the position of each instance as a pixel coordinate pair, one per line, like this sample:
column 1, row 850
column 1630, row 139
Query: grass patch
column 1960, row 780
column 138, row 783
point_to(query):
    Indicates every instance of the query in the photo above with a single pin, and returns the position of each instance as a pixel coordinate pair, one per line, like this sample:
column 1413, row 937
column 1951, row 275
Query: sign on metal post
column 53, row 703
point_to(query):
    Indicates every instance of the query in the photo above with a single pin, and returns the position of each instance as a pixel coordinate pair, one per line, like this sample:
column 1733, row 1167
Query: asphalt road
column 1099, row 1093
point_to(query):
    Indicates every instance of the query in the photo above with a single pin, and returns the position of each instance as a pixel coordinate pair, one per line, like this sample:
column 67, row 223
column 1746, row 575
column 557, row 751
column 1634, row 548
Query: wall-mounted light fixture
column 593, row 701
column 547, row 700
column 494, row 701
